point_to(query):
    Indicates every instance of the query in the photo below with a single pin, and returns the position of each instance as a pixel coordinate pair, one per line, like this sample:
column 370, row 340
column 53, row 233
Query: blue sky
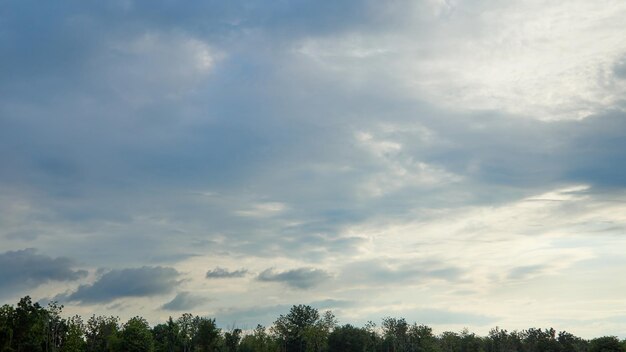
column 457, row 163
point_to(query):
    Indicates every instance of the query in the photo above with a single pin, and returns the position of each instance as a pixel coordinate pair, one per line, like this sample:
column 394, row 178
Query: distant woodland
column 29, row 327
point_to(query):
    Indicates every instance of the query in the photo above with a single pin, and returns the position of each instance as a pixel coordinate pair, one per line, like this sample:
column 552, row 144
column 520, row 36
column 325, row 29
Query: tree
column 316, row 335
column 605, row 344
column 207, row 335
column 258, row 341
column 348, row 338
column 54, row 326
column 6, row 327
column 187, row 330
column 450, row 341
column 500, row 340
column 571, row 343
column 290, row 329
column 395, row 334
column 29, row 326
column 101, row 333
column 74, row 341
column 537, row 340
column 231, row 340
column 136, row 336
column 167, row 336
column 421, row 338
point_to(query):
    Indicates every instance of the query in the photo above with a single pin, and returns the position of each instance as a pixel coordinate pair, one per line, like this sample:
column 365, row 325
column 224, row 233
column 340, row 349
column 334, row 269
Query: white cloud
column 398, row 170
column 547, row 61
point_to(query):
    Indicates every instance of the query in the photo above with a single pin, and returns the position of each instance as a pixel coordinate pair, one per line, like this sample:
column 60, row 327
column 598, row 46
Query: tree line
column 30, row 327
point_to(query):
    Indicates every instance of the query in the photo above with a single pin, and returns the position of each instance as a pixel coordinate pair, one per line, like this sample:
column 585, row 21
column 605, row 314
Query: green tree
column 54, row 326
column 258, row 341
column 500, row 340
column 420, row 338
column 290, row 329
column 73, row 340
column 6, row 327
column 449, row 341
column 232, row 339
column 29, row 329
column 207, row 335
column 395, row 336
column 605, row 344
column 571, row 343
column 101, row 333
column 167, row 336
column 316, row 335
column 537, row 340
column 136, row 336
column 187, row 329
column 348, row 338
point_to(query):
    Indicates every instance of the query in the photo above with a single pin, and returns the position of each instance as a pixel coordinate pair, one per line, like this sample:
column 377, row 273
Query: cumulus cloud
column 132, row 282
column 222, row 273
column 26, row 269
column 184, row 301
column 301, row 278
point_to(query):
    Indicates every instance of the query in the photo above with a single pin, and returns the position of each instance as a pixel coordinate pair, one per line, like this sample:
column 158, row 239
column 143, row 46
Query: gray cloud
column 25, row 269
column 301, row 278
column 385, row 271
column 222, row 273
column 133, row 282
column 184, row 301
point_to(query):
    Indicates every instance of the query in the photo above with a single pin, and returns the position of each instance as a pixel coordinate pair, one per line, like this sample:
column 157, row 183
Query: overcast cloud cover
column 456, row 163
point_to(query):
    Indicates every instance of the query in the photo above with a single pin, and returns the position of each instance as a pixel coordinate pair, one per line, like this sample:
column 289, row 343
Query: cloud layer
column 368, row 152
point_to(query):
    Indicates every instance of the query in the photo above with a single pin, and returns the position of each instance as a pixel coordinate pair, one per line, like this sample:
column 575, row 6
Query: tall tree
column 74, row 340
column 167, row 336
column 207, row 335
column 395, row 334
column 136, row 336
column 187, row 330
column 605, row 344
column 101, row 333
column 29, row 331
column 290, row 329
column 348, row 338
column 258, row 341
column 231, row 340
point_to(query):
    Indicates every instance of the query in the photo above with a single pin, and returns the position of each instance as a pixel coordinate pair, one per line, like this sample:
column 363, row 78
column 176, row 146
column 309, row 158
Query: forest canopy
column 31, row 327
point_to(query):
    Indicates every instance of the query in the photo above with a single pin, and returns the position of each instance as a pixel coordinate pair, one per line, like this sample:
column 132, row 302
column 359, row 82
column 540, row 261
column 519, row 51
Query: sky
column 456, row 163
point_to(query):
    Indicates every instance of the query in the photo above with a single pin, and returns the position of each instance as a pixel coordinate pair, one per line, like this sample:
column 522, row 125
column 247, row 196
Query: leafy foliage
column 29, row 327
